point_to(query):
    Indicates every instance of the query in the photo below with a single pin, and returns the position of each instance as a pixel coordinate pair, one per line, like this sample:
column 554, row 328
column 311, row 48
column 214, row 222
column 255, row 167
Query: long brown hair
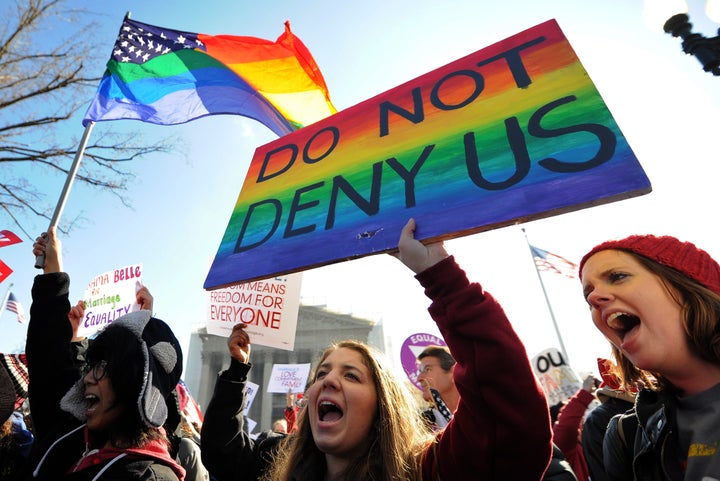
column 398, row 438
column 700, row 320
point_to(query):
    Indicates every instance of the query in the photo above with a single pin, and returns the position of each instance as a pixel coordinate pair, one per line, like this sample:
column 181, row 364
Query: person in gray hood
column 98, row 406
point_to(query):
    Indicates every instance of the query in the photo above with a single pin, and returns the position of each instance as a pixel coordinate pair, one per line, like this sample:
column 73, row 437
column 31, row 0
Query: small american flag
column 547, row 261
column 13, row 305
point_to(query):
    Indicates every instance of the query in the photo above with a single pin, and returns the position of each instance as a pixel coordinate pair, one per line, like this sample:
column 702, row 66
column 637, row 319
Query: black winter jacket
column 642, row 444
column 593, row 433
column 228, row 451
column 54, row 364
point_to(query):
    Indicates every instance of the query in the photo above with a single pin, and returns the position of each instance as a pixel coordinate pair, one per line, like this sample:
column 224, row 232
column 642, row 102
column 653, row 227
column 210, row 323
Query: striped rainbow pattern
column 314, row 227
column 167, row 77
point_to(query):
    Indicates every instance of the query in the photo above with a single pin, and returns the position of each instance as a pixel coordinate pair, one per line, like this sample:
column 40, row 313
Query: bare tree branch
column 42, row 88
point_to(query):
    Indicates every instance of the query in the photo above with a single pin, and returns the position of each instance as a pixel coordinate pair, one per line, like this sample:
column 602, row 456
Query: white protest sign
column 559, row 381
column 109, row 296
column 288, row 377
column 250, row 425
column 269, row 308
column 251, row 390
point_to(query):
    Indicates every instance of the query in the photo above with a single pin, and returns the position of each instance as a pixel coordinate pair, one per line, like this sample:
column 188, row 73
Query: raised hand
column 239, row 343
column 75, row 316
column 50, row 246
column 416, row 255
column 144, row 298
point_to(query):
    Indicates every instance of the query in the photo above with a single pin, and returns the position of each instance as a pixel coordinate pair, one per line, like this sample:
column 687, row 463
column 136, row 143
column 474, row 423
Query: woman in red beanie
column 657, row 300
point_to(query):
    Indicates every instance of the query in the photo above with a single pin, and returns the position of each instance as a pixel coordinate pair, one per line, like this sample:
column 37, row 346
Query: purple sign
column 411, row 349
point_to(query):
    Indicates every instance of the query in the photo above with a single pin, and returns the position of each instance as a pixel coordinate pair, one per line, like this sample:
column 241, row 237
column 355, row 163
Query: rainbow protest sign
column 513, row 132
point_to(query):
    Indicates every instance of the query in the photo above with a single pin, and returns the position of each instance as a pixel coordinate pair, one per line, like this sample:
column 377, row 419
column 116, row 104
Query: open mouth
column 329, row 412
column 91, row 402
column 622, row 322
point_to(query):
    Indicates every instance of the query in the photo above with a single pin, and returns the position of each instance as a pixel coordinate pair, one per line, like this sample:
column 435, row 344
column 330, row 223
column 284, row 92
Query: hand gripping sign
column 109, row 296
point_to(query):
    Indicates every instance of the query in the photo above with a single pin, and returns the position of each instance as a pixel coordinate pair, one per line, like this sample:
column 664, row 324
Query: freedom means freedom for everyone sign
column 513, row 132
column 269, row 308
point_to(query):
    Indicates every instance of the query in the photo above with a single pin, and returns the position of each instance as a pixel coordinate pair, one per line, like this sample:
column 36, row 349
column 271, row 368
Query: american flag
column 138, row 44
column 549, row 262
column 13, row 305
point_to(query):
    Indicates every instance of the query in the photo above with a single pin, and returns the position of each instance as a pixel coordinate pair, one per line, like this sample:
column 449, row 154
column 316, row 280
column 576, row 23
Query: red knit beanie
column 668, row 251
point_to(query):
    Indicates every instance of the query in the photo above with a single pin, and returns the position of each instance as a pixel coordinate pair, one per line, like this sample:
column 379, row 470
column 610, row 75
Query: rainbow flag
column 168, row 77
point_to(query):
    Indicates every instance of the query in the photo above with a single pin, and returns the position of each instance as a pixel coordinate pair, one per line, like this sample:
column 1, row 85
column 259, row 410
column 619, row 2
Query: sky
column 663, row 102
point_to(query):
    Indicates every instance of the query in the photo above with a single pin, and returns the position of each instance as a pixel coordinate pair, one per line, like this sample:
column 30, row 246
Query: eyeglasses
column 99, row 369
column 425, row 368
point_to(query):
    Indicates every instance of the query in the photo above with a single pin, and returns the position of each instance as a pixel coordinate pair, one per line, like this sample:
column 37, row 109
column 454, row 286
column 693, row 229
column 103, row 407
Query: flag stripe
column 242, row 49
column 183, row 63
column 149, row 90
column 274, row 75
column 273, row 62
column 189, row 104
column 310, row 103
column 278, row 73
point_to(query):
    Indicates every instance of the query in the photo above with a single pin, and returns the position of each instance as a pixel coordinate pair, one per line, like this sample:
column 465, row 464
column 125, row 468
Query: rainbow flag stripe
column 168, row 77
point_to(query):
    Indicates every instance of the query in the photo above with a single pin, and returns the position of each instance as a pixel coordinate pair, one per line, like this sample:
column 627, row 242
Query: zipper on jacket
column 42, row 460
column 87, row 453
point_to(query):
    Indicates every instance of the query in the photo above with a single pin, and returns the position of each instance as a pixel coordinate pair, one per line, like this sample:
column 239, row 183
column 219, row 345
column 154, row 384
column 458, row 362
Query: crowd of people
column 113, row 407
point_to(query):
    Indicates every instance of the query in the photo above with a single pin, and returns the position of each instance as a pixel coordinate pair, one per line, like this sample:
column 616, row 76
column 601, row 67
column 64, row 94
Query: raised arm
column 227, row 450
column 567, row 428
column 501, row 428
column 290, row 412
column 51, row 366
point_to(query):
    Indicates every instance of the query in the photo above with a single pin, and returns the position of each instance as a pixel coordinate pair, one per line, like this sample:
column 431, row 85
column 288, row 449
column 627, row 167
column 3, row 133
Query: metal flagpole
column 547, row 301
column 40, row 260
